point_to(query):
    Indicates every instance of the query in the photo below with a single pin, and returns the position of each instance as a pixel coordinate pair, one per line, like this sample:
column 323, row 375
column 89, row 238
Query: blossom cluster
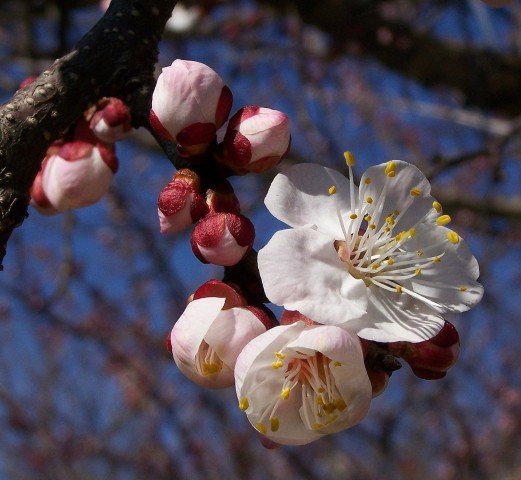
column 77, row 169
column 366, row 274
column 189, row 105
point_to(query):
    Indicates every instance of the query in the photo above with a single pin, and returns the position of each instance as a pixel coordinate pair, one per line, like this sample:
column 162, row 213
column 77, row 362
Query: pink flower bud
column 256, row 140
column 39, row 199
column 222, row 238
column 432, row 358
column 180, row 203
column 216, row 288
column 111, row 122
column 78, row 175
column 190, row 102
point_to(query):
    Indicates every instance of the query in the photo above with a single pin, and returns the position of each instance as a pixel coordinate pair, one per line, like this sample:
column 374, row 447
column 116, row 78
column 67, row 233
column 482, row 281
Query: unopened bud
column 180, row 204
column 111, row 122
column 256, row 140
column 190, row 102
column 222, row 198
column 222, row 238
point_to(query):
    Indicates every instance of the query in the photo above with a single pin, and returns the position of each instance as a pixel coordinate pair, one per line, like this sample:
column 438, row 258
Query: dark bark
column 116, row 58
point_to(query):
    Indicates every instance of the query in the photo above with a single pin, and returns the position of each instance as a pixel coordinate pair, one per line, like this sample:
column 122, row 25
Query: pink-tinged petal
column 187, row 337
column 222, row 238
column 300, row 197
column 111, row 122
column 39, row 199
column 256, row 139
column 76, row 177
column 190, row 102
column 301, row 270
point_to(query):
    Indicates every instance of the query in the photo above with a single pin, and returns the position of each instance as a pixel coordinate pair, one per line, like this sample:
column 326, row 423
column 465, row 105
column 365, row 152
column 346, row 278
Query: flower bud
column 78, row 175
column 432, row 358
column 256, row 140
column 207, row 339
column 222, row 238
column 39, row 199
column 111, row 122
column 190, row 102
column 180, row 203
column 216, row 288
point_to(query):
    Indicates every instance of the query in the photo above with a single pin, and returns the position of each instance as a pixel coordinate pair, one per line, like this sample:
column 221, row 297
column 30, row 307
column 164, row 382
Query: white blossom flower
column 207, row 339
column 378, row 259
column 297, row 383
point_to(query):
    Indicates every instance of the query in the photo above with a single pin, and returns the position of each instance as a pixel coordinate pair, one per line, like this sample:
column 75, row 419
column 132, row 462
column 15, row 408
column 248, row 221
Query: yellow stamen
column 415, row 192
column 337, row 364
column 412, row 232
column 332, row 190
column 453, row 237
column 260, row 427
column 462, row 289
column 279, row 355
column 369, row 199
column 243, row 404
column 350, row 159
column 418, row 271
column 353, row 216
column 367, row 181
column 398, row 289
column 436, row 259
column 285, row 393
column 420, row 253
column 390, row 169
column 274, row 424
column 437, row 206
column 443, row 220
column 372, row 226
column 277, row 364
column 368, row 218
column 390, row 261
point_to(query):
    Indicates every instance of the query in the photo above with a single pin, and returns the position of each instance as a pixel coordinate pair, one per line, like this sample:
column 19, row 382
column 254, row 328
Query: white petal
column 451, row 282
column 300, row 197
column 231, row 331
column 397, row 194
column 301, row 270
column 394, row 317
column 189, row 332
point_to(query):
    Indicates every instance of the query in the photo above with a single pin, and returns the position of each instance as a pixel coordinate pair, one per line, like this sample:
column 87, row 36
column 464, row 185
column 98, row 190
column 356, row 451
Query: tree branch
column 116, row 58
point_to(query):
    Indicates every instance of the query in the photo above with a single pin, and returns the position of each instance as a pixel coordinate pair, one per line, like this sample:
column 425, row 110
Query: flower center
column 207, row 362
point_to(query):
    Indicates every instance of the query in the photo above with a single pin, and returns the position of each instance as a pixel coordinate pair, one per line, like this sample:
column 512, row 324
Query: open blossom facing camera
column 377, row 260
column 297, row 383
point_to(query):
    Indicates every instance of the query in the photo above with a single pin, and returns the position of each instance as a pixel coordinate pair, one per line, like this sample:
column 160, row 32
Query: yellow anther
column 285, row 393
column 321, row 390
column 419, row 253
column 317, row 426
column 350, row 159
column 453, row 237
column 412, row 232
column 418, row 271
column 211, row 368
column 369, row 199
column 390, row 169
column 375, row 266
column 340, row 404
column 437, row 206
column 277, row 364
column 274, row 424
column 372, row 226
column 353, row 216
column 396, row 213
column 415, row 192
column 390, row 220
column 243, row 404
column 398, row 289
column 368, row 218
column 390, row 261
column 436, row 259
column 400, row 236
column 337, row 364
column 462, row 289
column 332, row 190
column 443, row 220
column 367, row 181
column 279, row 355
column 387, row 229
column 260, row 427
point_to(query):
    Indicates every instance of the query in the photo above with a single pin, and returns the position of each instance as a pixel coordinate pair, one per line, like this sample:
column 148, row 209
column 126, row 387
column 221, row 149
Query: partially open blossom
column 298, row 383
column 78, row 175
column 222, row 238
column 256, row 139
column 432, row 358
column 180, row 203
column 190, row 102
column 111, row 121
column 370, row 259
column 207, row 339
